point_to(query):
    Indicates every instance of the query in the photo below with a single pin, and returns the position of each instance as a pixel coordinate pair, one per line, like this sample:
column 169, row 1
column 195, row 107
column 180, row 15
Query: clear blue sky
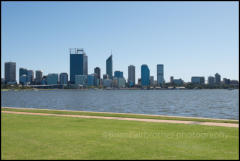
column 189, row 38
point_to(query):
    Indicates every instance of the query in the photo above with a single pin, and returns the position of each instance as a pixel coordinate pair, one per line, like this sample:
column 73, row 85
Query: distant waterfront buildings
column 211, row 80
column 151, row 80
column 145, row 75
column 171, row 79
column 91, row 80
column 217, row 78
column 10, row 73
column 160, row 74
column 107, row 82
column 97, row 71
column 23, row 79
column 178, row 82
column 226, row 81
column 118, row 74
column 63, row 78
column 81, row 80
column 131, row 75
column 198, row 80
column 30, row 76
column 78, row 63
column 109, row 67
column 52, row 78
column 22, row 71
column 38, row 78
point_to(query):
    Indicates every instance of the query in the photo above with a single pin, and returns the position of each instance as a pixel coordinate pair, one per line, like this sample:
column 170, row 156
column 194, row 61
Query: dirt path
column 130, row 119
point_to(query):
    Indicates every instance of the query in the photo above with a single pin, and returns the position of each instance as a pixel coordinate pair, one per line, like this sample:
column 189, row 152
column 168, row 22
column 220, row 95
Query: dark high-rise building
column 97, row 71
column 171, row 79
column 145, row 75
column 118, row 74
column 10, row 72
column 211, row 80
column 109, row 67
column 22, row 71
column 38, row 78
column 131, row 75
column 217, row 78
column 63, row 78
column 78, row 63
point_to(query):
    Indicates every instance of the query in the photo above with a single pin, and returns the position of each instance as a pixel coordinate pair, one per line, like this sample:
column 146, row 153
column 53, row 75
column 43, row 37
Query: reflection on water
column 217, row 103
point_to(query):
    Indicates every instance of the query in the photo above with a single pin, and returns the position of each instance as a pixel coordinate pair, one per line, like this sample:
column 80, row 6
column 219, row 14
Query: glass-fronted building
column 217, row 78
column 78, row 63
column 52, row 79
column 39, row 75
column 198, row 80
column 160, row 74
column 30, row 76
column 131, row 75
column 22, row 71
column 109, row 67
column 10, row 72
column 81, row 80
column 145, row 75
column 118, row 74
column 63, row 78
column 91, row 80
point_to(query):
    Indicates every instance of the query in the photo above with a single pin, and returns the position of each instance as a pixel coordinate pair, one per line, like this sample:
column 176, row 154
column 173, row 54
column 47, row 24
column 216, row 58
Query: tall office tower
column 160, row 76
column 52, row 79
column 39, row 75
column 30, row 76
column 78, row 63
column 22, row 71
column 109, row 67
column 10, row 72
column 145, row 75
column 131, row 75
column 171, row 79
column 151, row 80
column 217, row 78
column 118, row 74
column 63, row 78
column 211, row 80
column 97, row 71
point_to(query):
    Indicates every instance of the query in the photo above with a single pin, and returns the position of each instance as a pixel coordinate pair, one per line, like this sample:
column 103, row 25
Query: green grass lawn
column 51, row 137
column 117, row 115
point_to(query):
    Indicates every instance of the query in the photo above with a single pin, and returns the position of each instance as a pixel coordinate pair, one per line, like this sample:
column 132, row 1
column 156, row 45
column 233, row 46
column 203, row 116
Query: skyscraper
column 131, row 75
column 30, row 76
column 217, row 78
column 109, row 67
column 10, row 72
column 145, row 75
column 97, row 71
column 22, row 71
column 63, row 78
column 38, row 78
column 78, row 63
column 160, row 75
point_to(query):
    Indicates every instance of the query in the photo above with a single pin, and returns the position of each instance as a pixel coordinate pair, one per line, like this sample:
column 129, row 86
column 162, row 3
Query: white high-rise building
column 160, row 74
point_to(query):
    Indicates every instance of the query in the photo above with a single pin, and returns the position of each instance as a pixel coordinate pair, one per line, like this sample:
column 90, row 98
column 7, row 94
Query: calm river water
column 219, row 103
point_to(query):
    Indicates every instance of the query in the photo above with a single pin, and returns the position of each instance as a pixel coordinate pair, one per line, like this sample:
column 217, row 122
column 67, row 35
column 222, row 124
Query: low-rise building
column 198, row 80
column 52, row 78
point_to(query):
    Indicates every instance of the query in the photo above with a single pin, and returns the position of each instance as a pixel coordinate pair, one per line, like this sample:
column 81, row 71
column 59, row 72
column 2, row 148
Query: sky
column 189, row 38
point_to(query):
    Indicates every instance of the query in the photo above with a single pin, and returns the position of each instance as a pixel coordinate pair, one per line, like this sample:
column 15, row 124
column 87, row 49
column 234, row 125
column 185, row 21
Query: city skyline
column 183, row 59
